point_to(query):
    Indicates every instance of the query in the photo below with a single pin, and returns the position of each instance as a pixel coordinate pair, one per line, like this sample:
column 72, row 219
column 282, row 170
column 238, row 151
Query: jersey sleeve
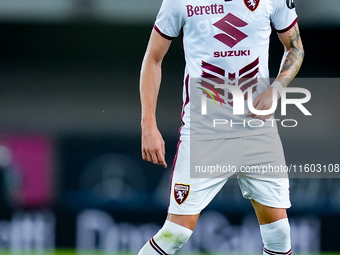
column 284, row 15
column 169, row 20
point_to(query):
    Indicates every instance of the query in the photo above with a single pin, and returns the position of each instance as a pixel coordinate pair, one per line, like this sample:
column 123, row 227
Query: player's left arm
column 293, row 56
column 290, row 66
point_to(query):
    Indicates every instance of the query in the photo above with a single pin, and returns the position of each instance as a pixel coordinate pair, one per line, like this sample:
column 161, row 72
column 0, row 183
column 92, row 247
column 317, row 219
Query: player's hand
column 263, row 101
column 153, row 145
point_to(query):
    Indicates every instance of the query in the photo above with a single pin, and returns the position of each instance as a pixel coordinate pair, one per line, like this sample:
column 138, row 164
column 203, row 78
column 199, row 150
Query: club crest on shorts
column 252, row 4
column 181, row 192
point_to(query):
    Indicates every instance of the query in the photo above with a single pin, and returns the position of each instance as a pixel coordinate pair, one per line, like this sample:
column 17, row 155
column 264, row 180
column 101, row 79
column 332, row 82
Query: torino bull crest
column 252, row 4
column 181, row 192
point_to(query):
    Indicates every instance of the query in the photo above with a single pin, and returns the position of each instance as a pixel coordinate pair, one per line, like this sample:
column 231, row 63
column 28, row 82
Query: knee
column 174, row 234
column 276, row 235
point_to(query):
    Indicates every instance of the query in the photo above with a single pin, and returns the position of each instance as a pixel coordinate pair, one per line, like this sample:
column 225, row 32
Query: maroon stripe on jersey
column 253, row 91
column 248, row 84
column 213, row 68
column 179, row 142
column 289, row 27
column 276, row 252
column 212, row 88
column 187, row 97
column 173, row 168
column 175, row 159
column 163, row 35
column 230, row 96
column 213, row 78
column 250, row 75
column 186, row 84
column 156, row 247
column 232, row 76
column 249, row 67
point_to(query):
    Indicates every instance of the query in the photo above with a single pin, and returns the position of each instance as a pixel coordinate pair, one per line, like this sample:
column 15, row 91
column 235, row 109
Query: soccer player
column 224, row 41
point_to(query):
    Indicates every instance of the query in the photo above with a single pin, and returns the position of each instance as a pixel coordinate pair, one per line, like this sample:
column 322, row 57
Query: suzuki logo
column 228, row 25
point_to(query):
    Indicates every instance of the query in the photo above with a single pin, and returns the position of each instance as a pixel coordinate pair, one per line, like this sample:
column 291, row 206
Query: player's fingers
column 144, row 154
column 262, row 117
column 148, row 157
column 257, row 106
column 164, row 164
column 161, row 160
column 158, row 158
column 257, row 102
column 155, row 158
column 161, row 156
column 261, row 107
column 250, row 114
column 258, row 117
column 163, row 148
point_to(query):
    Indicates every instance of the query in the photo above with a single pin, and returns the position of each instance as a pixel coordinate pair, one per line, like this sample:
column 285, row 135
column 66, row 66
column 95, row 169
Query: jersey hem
column 162, row 34
column 287, row 28
column 210, row 137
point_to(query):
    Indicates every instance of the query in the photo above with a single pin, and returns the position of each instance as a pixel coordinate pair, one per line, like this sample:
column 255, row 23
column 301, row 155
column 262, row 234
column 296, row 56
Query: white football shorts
column 258, row 161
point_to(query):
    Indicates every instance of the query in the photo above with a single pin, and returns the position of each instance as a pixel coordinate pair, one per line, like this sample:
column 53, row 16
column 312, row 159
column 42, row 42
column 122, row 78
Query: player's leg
column 269, row 199
column 275, row 229
column 266, row 214
column 175, row 232
column 268, row 189
column 188, row 197
column 188, row 221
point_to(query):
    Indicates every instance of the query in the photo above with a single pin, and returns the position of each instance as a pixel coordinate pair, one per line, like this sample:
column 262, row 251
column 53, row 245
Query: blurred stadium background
column 71, row 174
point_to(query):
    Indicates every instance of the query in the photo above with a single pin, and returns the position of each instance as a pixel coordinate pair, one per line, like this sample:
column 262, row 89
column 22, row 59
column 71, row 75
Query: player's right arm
column 153, row 146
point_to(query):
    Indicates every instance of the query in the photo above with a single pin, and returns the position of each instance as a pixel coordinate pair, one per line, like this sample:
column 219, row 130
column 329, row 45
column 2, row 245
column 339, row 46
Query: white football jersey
column 225, row 42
